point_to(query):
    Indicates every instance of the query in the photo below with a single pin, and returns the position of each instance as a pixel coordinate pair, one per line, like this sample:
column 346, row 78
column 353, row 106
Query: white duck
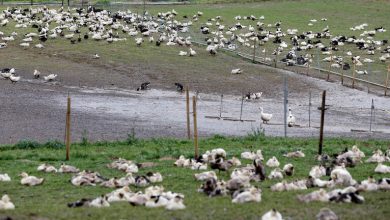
column 5, row 203
column 36, row 74
column 291, row 119
column 50, row 77
column 183, row 53
column 272, row 215
column 236, row 71
column 47, row 168
column 175, row 204
column 192, row 52
column 14, row 79
column 381, row 168
column 30, row 180
column 273, row 162
column 4, row 178
column 265, row 117
column 68, row 169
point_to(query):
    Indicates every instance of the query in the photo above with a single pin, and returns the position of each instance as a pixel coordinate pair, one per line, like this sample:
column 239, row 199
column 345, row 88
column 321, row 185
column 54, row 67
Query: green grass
column 49, row 200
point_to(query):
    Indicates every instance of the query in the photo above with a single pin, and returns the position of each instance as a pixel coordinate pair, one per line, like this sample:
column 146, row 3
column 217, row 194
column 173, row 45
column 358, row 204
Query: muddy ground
column 105, row 105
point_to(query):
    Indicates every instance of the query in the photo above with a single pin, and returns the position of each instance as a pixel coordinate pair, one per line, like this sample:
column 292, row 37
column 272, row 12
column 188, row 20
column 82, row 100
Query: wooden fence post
column 322, row 123
column 387, row 79
column 195, row 127
column 242, row 104
column 254, row 51
column 68, row 129
column 188, row 112
column 353, row 75
column 330, row 67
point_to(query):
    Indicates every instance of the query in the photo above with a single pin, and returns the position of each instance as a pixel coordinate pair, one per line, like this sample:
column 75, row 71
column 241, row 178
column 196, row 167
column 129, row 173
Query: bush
column 27, row 144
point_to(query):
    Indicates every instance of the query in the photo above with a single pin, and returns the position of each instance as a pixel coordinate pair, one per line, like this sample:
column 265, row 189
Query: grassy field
column 49, row 200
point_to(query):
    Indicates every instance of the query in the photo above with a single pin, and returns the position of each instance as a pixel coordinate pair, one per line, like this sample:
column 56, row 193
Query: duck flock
column 331, row 177
column 37, row 26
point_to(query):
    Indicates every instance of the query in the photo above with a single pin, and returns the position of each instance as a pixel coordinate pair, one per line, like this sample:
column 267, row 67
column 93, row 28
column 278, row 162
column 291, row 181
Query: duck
column 30, row 180
column 273, row 162
column 36, row 74
column 121, row 194
column 192, row 52
column 5, row 203
column 154, row 177
column 290, row 119
column 288, row 169
column 326, row 214
column 381, row 168
column 183, row 53
column 205, row 175
column 68, row 169
column 4, row 178
column 141, row 181
column 14, row 79
column 175, row 203
column 236, row 71
column 96, row 56
column 179, row 87
column 252, row 194
column 156, row 201
column 50, row 77
column 276, row 174
column 317, row 171
column 272, row 215
column 265, row 117
column 47, row 168
column 361, row 72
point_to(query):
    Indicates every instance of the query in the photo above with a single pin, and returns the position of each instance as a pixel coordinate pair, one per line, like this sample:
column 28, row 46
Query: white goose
column 30, row 180
column 290, row 119
column 265, row 117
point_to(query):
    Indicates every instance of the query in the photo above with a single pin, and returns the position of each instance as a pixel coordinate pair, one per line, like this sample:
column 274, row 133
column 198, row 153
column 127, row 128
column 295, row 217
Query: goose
column 265, row 117
column 47, row 168
column 5, row 203
column 30, row 180
column 273, row 162
column 236, row 71
column 272, row 215
column 14, row 79
column 50, row 77
column 36, row 74
column 4, row 178
column 67, row 169
column 326, row 214
column 290, row 119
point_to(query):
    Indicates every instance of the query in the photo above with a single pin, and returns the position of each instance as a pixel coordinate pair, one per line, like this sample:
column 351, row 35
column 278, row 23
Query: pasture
column 49, row 200
column 102, row 76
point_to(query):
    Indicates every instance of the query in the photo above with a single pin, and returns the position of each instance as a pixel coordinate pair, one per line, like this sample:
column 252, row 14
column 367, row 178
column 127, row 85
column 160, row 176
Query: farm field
column 48, row 201
column 123, row 66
